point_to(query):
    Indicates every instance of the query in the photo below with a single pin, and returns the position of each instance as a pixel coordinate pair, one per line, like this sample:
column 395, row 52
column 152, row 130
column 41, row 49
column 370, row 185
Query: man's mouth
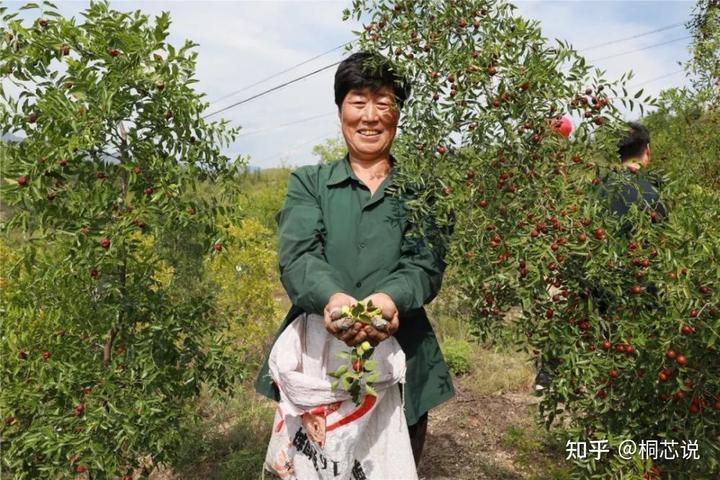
column 369, row 132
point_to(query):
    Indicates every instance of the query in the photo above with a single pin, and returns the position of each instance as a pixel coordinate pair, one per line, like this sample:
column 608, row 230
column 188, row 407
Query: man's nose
column 371, row 112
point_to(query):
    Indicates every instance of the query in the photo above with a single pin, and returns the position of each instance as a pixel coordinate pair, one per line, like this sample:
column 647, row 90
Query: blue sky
column 242, row 42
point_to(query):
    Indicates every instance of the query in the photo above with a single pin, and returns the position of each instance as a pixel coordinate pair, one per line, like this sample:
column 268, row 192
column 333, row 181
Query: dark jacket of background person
column 619, row 192
column 623, row 189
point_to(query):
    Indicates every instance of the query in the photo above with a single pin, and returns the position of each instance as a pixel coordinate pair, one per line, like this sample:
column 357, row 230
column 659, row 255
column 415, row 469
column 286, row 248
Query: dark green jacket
column 335, row 237
column 623, row 189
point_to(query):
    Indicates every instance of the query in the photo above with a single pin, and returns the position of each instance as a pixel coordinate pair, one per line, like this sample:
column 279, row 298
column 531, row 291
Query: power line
column 323, row 115
column 639, row 49
column 619, row 40
column 247, row 87
column 295, row 122
column 302, row 120
column 278, row 87
column 293, row 150
column 656, row 78
column 265, row 92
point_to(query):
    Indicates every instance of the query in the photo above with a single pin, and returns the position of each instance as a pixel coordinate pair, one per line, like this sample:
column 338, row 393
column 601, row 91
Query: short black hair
column 632, row 144
column 368, row 70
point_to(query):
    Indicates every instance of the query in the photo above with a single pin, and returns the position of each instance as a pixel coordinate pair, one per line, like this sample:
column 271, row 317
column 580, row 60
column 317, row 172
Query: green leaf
column 341, row 370
column 372, row 377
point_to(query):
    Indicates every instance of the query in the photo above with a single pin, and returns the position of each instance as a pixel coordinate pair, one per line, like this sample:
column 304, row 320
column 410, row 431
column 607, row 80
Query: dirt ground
column 487, row 431
column 475, row 436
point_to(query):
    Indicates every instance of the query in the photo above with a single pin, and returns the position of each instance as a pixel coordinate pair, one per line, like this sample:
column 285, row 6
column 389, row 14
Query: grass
column 537, row 451
column 231, row 441
column 447, row 325
column 497, row 372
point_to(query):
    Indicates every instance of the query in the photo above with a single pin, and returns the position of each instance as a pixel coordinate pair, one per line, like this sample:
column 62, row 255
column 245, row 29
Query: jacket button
column 358, row 284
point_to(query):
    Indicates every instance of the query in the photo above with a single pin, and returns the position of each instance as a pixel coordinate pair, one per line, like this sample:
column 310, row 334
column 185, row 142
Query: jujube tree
column 110, row 325
column 602, row 297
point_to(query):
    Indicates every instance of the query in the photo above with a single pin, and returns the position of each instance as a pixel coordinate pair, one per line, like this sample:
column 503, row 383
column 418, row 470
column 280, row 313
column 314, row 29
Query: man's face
column 369, row 122
column 645, row 157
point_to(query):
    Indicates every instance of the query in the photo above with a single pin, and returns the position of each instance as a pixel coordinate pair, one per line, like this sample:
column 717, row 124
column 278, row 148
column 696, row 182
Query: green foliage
column 360, row 372
column 231, row 439
column 540, row 257
column 110, row 325
column 684, row 137
column 263, row 196
column 705, row 60
column 458, row 356
column 331, row 150
column 527, row 442
column 244, row 278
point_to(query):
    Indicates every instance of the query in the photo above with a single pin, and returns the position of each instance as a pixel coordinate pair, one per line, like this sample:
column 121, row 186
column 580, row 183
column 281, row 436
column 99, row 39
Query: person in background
column 622, row 189
column 343, row 239
column 638, row 183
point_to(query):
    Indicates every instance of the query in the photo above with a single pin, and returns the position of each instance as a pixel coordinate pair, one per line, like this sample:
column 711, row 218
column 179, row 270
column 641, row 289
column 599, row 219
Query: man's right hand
column 353, row 335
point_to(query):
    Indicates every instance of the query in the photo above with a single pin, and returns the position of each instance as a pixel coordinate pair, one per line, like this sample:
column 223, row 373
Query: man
column 633, row 182
column 343, row 239
column 622, row 189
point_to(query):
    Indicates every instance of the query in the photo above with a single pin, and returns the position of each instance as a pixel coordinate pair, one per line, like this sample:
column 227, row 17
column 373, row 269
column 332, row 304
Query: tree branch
column 107, row 349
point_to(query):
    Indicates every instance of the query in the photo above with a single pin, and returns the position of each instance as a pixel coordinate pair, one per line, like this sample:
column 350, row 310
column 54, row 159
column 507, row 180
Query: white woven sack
column 341, row 440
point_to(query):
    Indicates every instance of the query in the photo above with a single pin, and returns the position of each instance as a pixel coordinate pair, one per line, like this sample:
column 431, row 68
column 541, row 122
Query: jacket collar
column 341, row 171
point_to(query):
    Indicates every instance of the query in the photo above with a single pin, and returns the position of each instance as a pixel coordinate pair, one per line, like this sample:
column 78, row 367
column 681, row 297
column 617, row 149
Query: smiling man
column 342, row 239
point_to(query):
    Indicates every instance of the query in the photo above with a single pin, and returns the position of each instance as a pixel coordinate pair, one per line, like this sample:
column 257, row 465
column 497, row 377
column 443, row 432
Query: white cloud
column 590, row 23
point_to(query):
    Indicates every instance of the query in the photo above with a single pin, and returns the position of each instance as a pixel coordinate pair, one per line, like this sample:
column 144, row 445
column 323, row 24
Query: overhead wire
column 307, row 119
column 277, row 74
column 265, row 92
column 656, row 78
column 270, row 90
column 632, row 37
column 295, row 122
column 297, row 147
column 639, row 49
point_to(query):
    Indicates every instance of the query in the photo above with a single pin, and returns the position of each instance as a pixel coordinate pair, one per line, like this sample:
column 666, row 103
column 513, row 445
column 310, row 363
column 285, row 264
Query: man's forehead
column 367, row 91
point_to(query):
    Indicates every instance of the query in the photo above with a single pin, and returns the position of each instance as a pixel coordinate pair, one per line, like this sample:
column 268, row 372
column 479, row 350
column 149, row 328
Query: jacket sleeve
column 416, row 279
column 307, row 277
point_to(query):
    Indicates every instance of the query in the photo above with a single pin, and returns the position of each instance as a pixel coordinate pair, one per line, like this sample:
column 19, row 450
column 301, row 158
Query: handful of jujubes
column 358, row 375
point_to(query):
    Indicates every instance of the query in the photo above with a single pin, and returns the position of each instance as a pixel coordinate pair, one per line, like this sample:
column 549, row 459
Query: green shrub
column 458, row 355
